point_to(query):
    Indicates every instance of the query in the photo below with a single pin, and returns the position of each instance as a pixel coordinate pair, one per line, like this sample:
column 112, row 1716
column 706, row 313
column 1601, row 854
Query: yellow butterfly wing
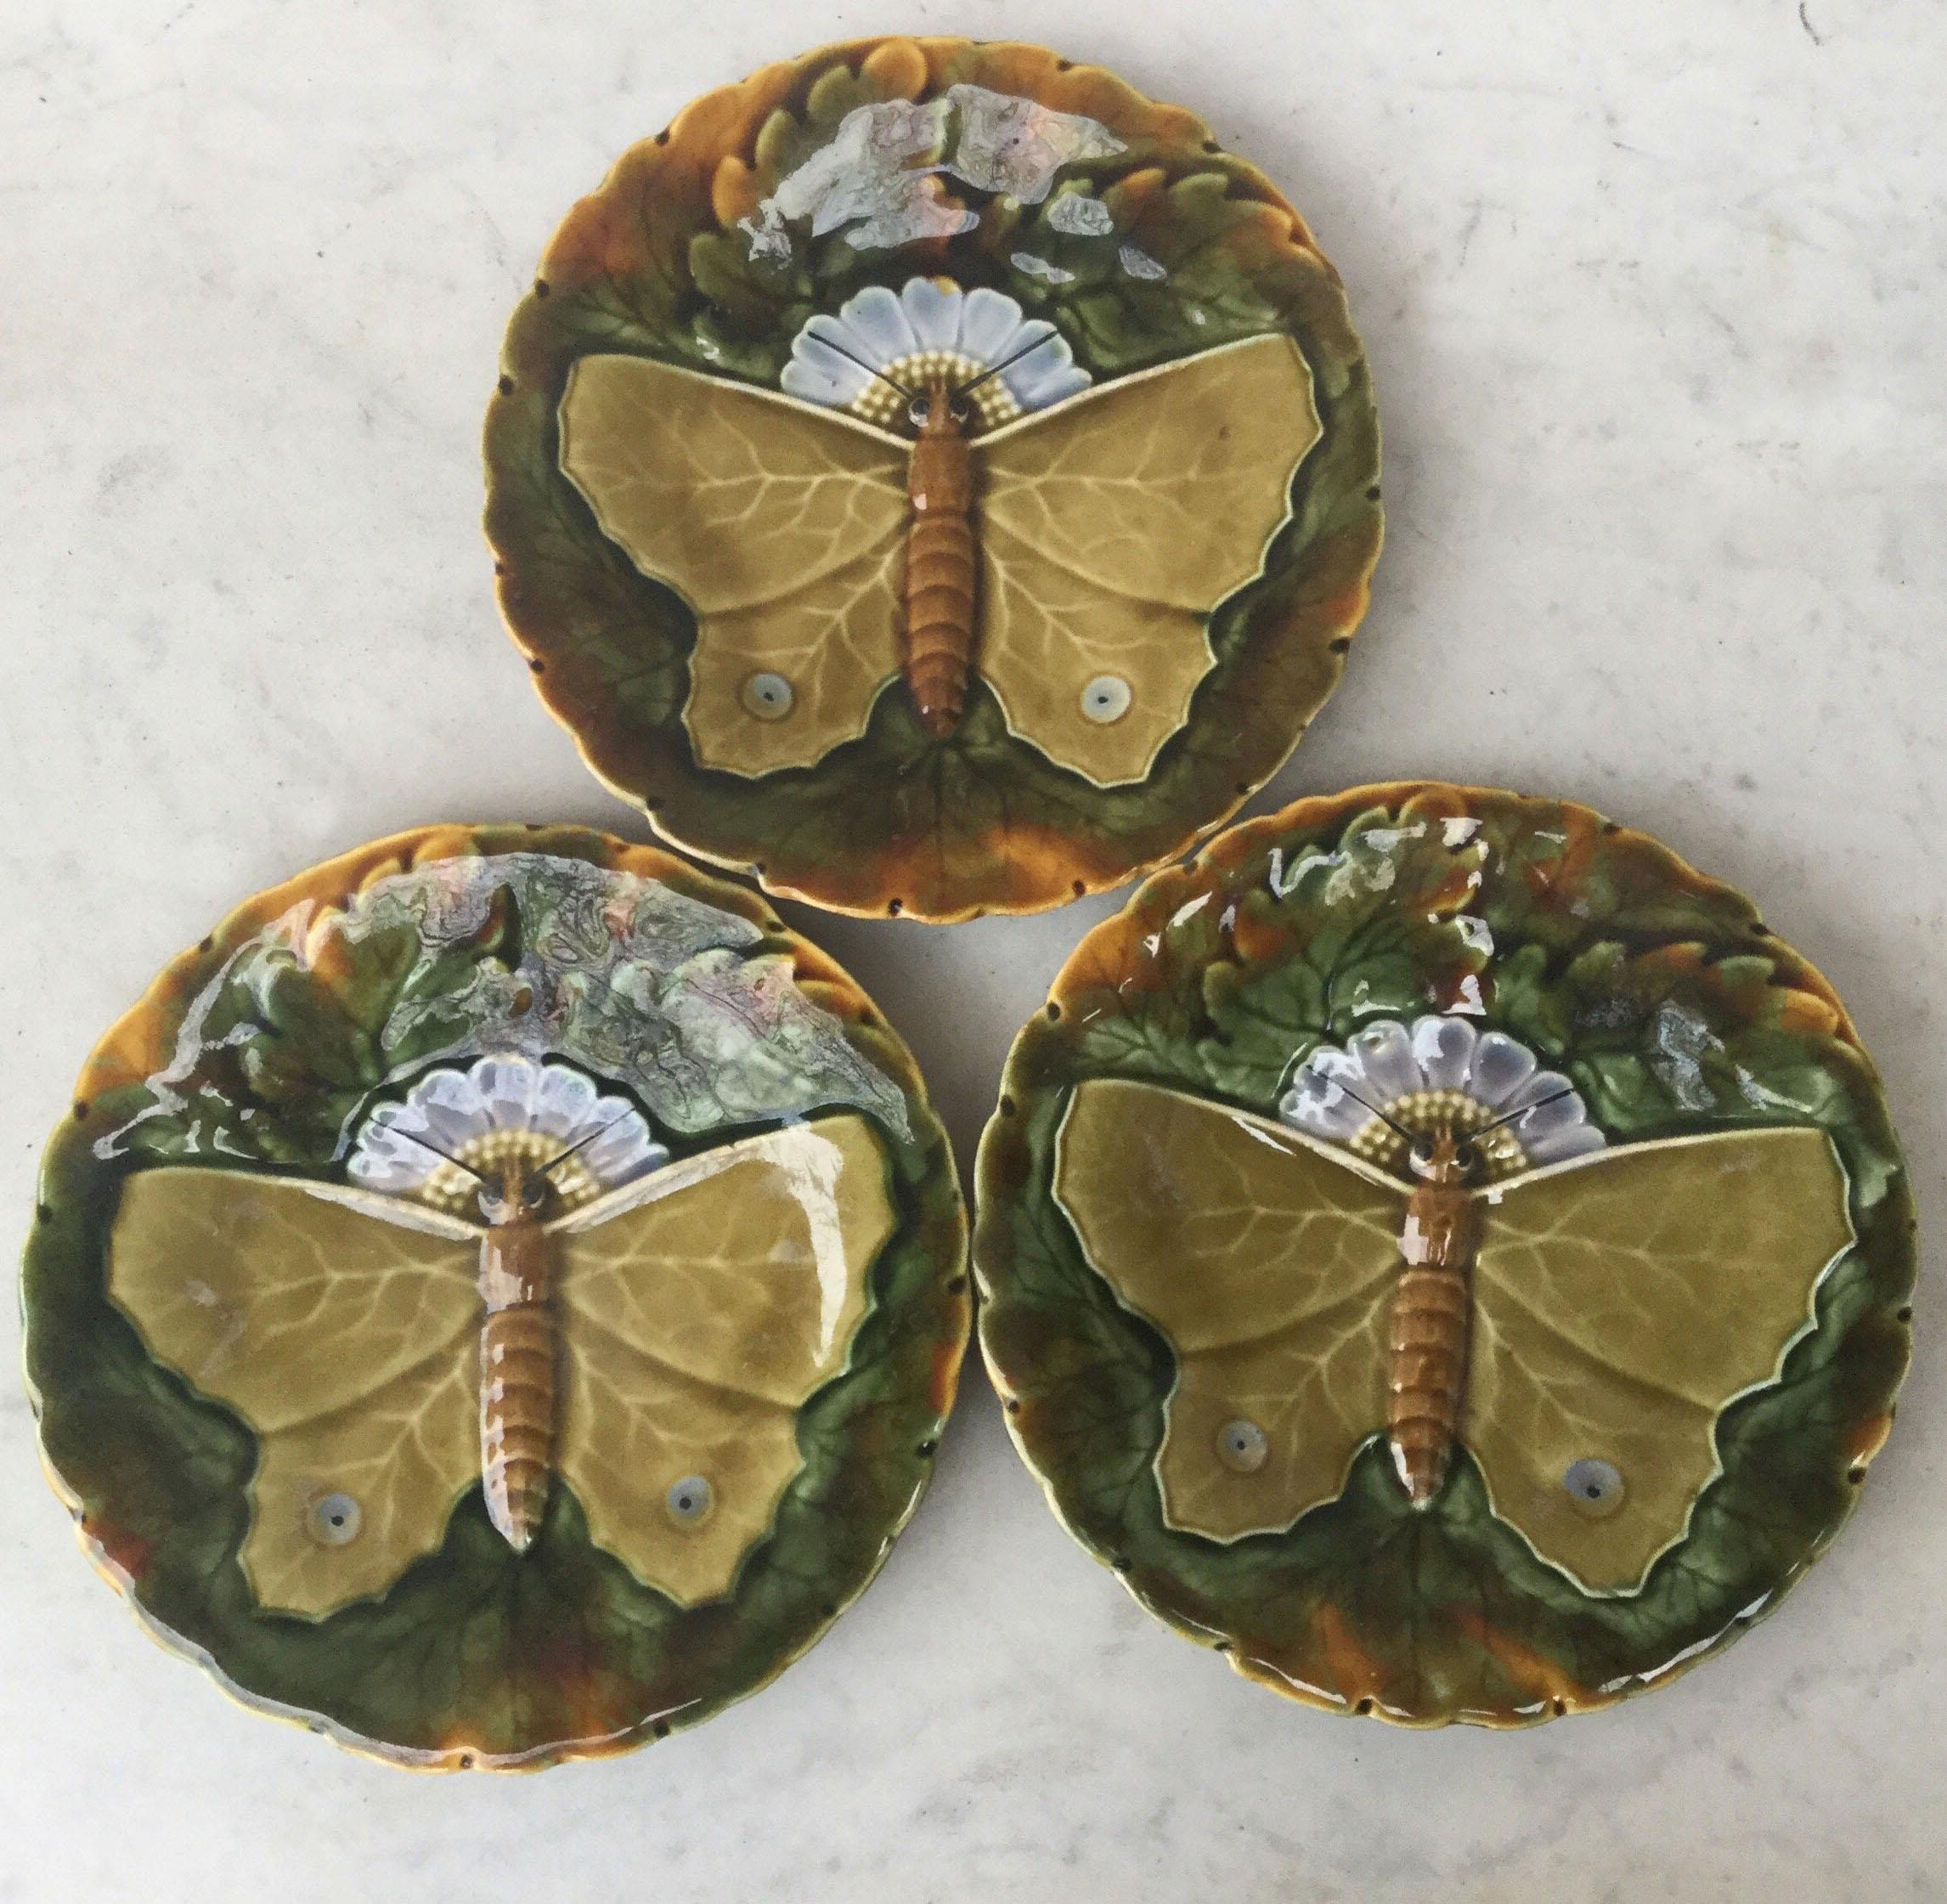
column 699, row 1309
column 781, row 524
column 1266, row 1259
column 1111, row 525
column 1621, row 1301
column 348, row 1345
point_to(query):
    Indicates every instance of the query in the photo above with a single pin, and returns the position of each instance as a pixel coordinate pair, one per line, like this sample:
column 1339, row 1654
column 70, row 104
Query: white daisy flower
column 933, row 328
column 500, row 1110
column 1436, row 1075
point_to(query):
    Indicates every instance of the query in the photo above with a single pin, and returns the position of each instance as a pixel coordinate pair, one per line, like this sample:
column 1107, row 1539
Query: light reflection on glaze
column 675, row 1000
column 879, row 180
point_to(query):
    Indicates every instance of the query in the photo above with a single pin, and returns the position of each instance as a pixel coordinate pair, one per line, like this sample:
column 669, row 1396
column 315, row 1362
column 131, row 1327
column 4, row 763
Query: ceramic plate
column 934, row 477
column 1446, row 1253
column 496, row 1296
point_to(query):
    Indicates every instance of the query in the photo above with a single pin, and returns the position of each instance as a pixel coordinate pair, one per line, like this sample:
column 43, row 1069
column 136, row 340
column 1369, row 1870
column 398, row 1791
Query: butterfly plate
column 1446, row 1254
column 496, row 1297
column 989, row 675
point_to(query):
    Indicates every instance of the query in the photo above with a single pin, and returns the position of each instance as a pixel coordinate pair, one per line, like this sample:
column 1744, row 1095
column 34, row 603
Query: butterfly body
column 942, row 559
column 1426, row 1336
column 518, row 1356
column 1071, row 556
column 646, row 1348
column 1591, row 1315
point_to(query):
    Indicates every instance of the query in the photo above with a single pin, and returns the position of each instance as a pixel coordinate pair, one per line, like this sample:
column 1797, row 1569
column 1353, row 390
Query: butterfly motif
column 1069, row 554
column 508, row 1315
column 1576, row 1325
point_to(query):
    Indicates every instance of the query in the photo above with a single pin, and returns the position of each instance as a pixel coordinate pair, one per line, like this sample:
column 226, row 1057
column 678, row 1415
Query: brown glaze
column 517, row 1356
column 1426, row 1363
column 939, row 563
column 998, row 842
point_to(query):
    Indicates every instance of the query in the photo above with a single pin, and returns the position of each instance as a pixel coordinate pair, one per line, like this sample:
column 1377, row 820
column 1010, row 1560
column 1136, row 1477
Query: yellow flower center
column 451, row 1189
column 879, row 402
column 1435, row 1114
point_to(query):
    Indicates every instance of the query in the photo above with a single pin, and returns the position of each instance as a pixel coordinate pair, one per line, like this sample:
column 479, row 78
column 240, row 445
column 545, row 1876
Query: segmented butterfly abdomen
column 940, row 568
column 1426, row 1360
column 517, row 1355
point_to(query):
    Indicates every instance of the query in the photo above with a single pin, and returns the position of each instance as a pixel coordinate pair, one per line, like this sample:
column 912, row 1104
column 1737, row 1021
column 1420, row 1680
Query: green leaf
column 980, row 820
column 1657, row 991
column 271, row 1058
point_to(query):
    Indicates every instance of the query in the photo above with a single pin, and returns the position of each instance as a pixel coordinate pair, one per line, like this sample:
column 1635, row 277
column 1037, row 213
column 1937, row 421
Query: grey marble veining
column 1653, row 295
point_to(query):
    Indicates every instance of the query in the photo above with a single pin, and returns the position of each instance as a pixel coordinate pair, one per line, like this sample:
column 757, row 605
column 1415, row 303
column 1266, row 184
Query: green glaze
column 247, row 1054
column 678, row 258
column 1671, row 1007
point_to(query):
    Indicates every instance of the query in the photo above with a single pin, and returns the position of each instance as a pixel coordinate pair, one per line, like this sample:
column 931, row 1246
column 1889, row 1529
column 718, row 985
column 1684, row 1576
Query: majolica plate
column 934, row 478
column 495, row 1297
column 1446, row 1254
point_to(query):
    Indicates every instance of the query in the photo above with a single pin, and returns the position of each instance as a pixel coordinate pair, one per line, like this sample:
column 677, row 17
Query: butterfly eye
column 690, row 1500
column 1594, row 1487
column 332, row 1520
column 493, row 1205
column 769, row 697
column 916, row 413
column 1105, row 699
column 1242, row 1446
column 534, row 1192
column 1465, row 1155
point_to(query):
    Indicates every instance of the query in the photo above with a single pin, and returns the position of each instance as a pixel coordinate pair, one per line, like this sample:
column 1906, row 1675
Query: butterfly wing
column 344, row 1341
column 781, row 524
column 1621, row 1301
column 1266, row 1259
column 1113, row 524
column 700, row 1308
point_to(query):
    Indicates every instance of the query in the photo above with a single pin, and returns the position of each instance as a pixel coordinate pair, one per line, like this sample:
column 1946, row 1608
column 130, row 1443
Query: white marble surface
column 1654, row 297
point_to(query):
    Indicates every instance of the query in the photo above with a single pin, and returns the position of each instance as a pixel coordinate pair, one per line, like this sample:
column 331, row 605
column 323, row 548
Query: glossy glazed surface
column 934, row 476
column 1658, row 364
column 1443, row 1251
column 497, row 1296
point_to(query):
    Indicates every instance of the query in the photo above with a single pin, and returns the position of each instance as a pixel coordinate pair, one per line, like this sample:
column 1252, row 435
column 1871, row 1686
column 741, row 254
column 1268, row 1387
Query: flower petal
column 1542, row 1085
column 933, row 310
column 444, row 1106
column 1443, row 1047
column 507, row 1087
column 565, row 1102
column 819, row 372
column 1501, row 1066
column 988, row 322
column 452, row 1109
column 1318, row 1102
column 1384, row 1054
column 877, row 322
column 1549, row 1129
column 1576, row 1141
column 446, row 1090
column 385, row 1159
column 1047, row 378
column 1045, row 373
column 623, row 1153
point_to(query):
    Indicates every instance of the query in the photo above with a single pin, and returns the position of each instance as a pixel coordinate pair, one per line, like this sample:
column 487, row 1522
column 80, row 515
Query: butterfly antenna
column 561, row 1157
column 1006, row 363
column 1391, row 1123
column 412, row 1137
column 911, row 396
column 1522, row 1111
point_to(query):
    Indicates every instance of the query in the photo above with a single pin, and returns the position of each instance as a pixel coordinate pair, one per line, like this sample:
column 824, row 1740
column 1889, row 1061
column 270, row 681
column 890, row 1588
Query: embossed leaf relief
column 1621, row 1301
column 877, row 179
column 1108, row 528
column 521, row 953
column 694, row 1311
